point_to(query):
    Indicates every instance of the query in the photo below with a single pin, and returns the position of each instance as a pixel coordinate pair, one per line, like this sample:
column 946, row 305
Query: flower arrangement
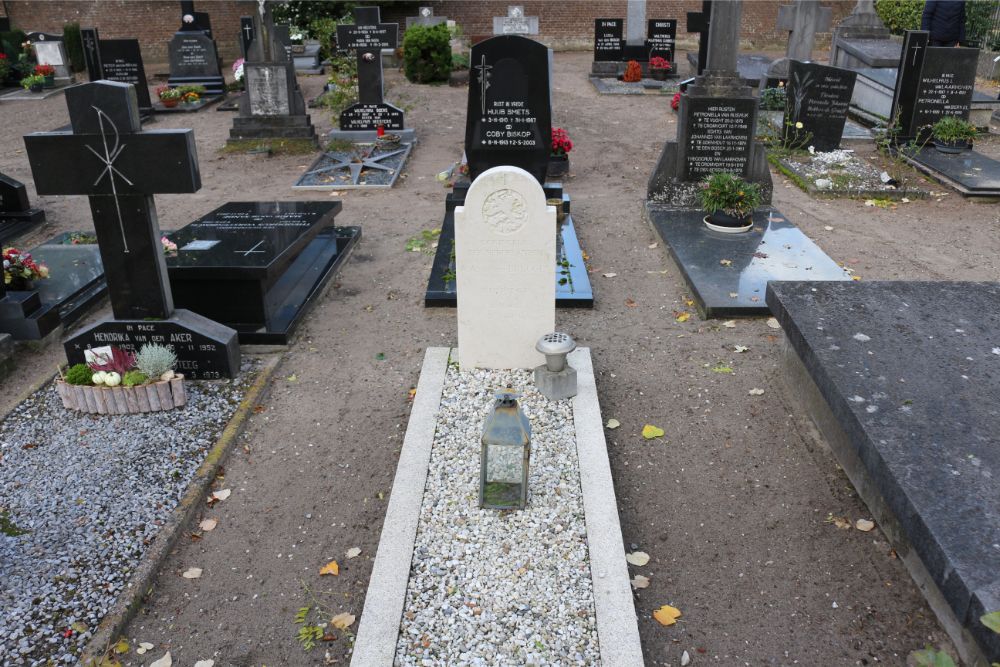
column 729, row 194
column 32, row 81
column 633, row 72
column 45, row 70
column 168, row 93
column 80, row 238
column 169, row 247
column 656, row 62
column 561, row 143
column 19, row 267
column 117, row 381
column 238, row 69
column 191, row 94
column 675, row 102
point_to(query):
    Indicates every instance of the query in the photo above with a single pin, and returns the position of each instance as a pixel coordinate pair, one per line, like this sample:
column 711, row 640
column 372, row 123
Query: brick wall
column 562, row 23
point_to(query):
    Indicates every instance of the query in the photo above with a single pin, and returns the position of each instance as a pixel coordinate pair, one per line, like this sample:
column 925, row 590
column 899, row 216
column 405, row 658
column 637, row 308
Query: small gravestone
column 117, row 60
column 515, row 23
column 425, row 16
column 802, row 21
column 661, row 36
column 509, row 114
column 51, row 50
column 505, row 249
column 119, row 167
column 246, row 35
column 193, row 55
column 608, row 41
column 16, row 213
column 818, row 96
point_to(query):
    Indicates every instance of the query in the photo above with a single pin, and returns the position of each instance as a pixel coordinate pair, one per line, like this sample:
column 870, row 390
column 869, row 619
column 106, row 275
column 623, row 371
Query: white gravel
column 499, row 588
column 92, row 492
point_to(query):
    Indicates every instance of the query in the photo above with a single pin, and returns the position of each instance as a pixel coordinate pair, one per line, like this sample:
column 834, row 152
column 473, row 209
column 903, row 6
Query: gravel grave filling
column 83, row 497
column 499, row 587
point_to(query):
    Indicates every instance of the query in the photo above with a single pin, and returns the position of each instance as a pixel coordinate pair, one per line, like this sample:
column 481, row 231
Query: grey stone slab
column 612, row 86
column 22, row 94
column 969, row 172
column 363, row 167
column 911, row 373
column 774, row 249
column 873, row 52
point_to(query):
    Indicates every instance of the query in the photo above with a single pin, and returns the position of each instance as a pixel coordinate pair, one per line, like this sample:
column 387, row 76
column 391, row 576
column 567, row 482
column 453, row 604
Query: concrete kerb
column 142, row 581
column 617, row 627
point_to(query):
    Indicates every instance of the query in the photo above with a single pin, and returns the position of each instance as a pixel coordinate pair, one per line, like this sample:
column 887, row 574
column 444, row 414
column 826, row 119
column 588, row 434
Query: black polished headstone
column 194, row 60
column 509, row 113
column 246, row 35
column 661, row 36
column 608, row 39
column 16, row 214
column 13, row 195
column 818, row 96
column 720, row 134
column 92, row 53
column 698, row 22
column 367, row 37
column 121, row 60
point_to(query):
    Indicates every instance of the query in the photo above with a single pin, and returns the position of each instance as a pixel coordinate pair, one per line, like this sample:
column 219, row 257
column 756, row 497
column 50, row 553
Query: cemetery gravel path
column 731, row 505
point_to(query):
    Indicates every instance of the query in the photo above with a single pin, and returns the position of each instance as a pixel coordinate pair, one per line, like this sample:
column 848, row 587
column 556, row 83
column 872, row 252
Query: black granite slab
column 970, row 172
column 76, row 277
column 818, row 96
column 17, row 216
column 608, row 41
column 911, row 373
column 774, row 249
column 573, row 289
column 121, row 60
column 661, row 38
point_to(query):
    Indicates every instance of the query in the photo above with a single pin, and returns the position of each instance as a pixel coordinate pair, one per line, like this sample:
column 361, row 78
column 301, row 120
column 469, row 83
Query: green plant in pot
column 952, row 134
column 729, row 202
column 33, row 82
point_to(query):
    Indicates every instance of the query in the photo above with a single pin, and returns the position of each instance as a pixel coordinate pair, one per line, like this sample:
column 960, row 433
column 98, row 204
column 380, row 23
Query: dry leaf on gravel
column 121, row 647
column 756, row 392
column 222, row 495
column 638, row 558
column 630, row 303
column 685, row 659
column 683, row 317
column 729, row 324
column 609, row 275
column 165, row 661
column 864, row 525
column 353, row 552
column 652, row 245
column 773, row 323
column 839, row 521
column 649, row 432
column 741, row 348
column 613, row 424
column 208, row 524
column 342, row 621
column 192, row 573
column 667, row 615
column 330, row 568
column 639, row 581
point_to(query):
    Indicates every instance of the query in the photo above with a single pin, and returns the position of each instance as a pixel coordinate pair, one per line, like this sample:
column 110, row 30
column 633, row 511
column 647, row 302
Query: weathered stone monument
column 505, row 250
column 515, row 23
column 273, row 107
column 51, row 50
column 802, row 20
column 119, row 167
column 862, row 40
column 425, row 16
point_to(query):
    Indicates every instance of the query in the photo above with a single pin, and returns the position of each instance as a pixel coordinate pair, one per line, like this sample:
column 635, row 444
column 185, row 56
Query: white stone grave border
column 617, row 626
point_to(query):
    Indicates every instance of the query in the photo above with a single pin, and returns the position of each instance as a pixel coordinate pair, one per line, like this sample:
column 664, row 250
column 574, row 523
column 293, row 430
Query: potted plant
column 633, row 72
column 119, row 382
column 952, row 134
column 559, row 156
column 33, row 82
column 47, row 72
column 659, row 68
column 20, row 270
column 191, row 94
column 729, row 202
column 169, row 97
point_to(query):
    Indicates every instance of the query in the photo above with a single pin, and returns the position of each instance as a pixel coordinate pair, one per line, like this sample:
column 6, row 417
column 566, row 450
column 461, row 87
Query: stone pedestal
column 556, row 386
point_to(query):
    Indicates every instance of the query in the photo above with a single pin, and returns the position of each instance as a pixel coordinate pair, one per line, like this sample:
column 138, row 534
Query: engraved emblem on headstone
column 505, row 211
column 484, row 81
column 111, row 154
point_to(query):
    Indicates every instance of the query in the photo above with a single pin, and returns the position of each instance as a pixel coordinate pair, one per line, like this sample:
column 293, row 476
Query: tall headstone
column 505, row 248
column 246, row 35
column 717, row 123
column 635, row 23
column 509, row 114
column 515, row 23
column 117, row 60
column 818, row 96
column 273, row 106
column 367, row 37
column 661, row 37
column 50, row 50
column 608, row 40
column 699, row 22
column 119, row 167
column 802, row 21
column 425, row 16
column 932, row 82
column 194, row 58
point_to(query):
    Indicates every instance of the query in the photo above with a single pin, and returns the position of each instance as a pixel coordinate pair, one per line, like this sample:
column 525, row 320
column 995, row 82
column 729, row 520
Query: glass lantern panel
column 504, row 474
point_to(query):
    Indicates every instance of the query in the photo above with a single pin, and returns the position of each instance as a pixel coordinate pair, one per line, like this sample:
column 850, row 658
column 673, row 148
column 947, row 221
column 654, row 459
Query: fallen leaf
column 342, row 621
column 840, row 522
column 667, row 615
column 79, row 626
column 639, row 558
column 649, row 432
column 192, row 573
column 165, row 661
column 292, row 378
column 630, row 303
column 639, row 581
column 828, row 228
column 257, row 409
column 729, row 324
column 121, row 647
column 683, row 317
column 412, row 393
column 330, row 568
column 204, row 663
column 726, row 262
column 722, row 368
column 864, row 525
column 991, row 621
column 773, row 323
column 222, row 495
column 613, row 424
column 756, row 392
column 353, row 552
column 609, row 275
column 652, row 245
column 741, row 348
column 208, row 524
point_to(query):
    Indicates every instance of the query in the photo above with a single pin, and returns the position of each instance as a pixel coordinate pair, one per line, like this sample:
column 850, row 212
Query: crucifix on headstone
column 246, row 35
column 698, row 22
column 92, row 53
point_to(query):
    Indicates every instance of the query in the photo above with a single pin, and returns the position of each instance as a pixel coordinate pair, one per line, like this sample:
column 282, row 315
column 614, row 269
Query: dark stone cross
column 698, row 22
column 92, row 53
column 246, row 35
column 368, row 36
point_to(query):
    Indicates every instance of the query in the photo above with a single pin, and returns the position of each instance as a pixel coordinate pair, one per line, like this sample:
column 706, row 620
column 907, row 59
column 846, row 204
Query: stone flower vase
column 952, row 147
column 558, row 166
column 152, row 397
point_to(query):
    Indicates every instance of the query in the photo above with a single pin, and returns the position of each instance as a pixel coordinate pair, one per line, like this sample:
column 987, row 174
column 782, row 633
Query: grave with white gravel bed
column 83, row 497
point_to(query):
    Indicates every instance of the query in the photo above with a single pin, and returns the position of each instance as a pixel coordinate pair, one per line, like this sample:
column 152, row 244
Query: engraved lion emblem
column 505, row 211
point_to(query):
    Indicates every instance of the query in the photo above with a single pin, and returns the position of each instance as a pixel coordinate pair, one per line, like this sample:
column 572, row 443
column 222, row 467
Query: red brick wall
column 562, row 23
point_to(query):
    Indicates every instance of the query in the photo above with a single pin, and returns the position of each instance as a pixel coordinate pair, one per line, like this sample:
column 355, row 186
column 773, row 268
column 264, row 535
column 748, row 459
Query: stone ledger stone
column 505, row 247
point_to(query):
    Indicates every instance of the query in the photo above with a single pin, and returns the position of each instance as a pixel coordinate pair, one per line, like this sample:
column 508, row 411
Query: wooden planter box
column 155, row 397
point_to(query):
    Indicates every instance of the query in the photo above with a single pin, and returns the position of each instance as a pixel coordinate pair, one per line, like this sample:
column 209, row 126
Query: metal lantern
column 506, row 448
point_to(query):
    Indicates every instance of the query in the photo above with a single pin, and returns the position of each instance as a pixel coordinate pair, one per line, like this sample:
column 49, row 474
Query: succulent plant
column 154, row 360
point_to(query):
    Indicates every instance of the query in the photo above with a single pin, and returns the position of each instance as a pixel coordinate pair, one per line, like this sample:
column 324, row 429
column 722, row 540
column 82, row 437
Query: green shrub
column 427, row 53
column 154, row 360
column 727, row 192
column 79, row 374
column 900, row 15
column 324, row 31
column 459, row 61
column 133, row 378
column 773, row 99
column 953, row 129
column 74, row 46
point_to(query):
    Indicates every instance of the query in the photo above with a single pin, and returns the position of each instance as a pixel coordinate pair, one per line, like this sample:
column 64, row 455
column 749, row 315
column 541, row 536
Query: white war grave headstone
column 505, row 248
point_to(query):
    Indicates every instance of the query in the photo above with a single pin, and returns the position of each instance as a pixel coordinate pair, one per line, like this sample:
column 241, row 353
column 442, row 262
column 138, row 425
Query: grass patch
column 8, row 527
column 424, row 241
column 340, row 146
column 775, row 161
column 270, row 146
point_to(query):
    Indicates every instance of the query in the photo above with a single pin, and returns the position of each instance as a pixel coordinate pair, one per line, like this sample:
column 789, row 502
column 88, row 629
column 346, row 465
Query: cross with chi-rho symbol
column 108, row 157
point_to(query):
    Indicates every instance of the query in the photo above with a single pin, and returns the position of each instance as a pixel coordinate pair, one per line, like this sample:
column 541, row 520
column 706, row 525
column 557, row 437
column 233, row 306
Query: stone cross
column 635, row 23
column 367, row 37
column 119, row 167
column 515, row 23
column 265, row 47
column 92, row 53
column 699, row 22
column 505, row 247
column 802, row 21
